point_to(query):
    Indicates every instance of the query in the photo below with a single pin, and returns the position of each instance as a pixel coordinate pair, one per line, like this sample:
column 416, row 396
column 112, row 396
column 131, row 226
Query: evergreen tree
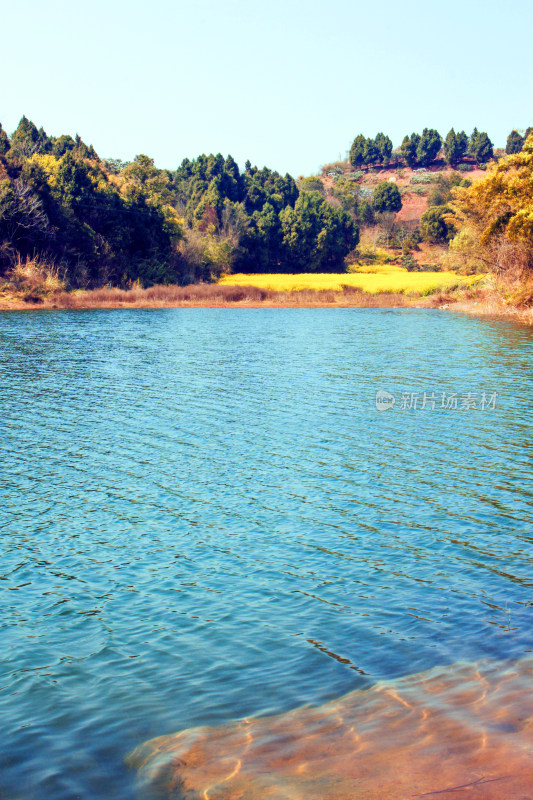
column 514, row 143
column 4, row 142
column 485, row 150
column 433, row 226
column 384, row 145
column 372, row 154
column 472, row 142
column 462, row 145
column 45, row 143
column 480, row 147
column 357, row 151
column 428, row 146
column 82, row 150
column 26, row 140
column 365, row 213
column 215, row 166
column 408, row 149
column 287, row 188
column 213, row 201
column 256, row 196
column 387, row 197
column 73, row 184
column 231, row 185
column 316, row 237
column 451, row 148
column 62, row 144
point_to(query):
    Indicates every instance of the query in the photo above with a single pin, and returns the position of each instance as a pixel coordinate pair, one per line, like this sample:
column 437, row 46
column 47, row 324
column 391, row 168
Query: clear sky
column 286, row 84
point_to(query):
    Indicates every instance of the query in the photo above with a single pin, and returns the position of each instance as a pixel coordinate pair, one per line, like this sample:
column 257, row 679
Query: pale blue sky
column 284, row 83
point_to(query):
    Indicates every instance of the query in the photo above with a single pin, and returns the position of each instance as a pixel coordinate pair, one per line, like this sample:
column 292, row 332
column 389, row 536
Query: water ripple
column 205, row 517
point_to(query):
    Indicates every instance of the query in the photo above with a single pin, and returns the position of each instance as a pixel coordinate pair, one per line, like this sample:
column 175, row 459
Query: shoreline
column 107, row 299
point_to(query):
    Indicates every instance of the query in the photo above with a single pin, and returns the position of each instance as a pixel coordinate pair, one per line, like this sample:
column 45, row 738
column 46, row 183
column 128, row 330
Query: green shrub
column 387, row 197
column 425, row 177
column 433, row 226
column 409, row 263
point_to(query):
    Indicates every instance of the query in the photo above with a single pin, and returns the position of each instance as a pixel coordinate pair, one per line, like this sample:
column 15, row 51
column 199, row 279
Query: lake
column 205, row 517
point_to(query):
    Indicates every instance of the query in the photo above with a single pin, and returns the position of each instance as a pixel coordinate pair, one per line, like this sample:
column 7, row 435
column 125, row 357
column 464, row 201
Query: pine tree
column 62, row 144
column 480, row 147
column 462, row 144
column 26, row 140
column 451, row 148
column 472, row 142
column 428, row 146
column 372, row 154
column 514, row 143
column 384, row 145
column 357, row 151
column 4, row 141
column 408, row 149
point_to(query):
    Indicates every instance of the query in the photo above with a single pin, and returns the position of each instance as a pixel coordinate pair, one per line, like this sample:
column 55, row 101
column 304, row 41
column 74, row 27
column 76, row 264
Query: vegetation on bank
column 70, row 220
column 215, row 295
column 480, row 300
column 102, row 222
column 492, row 222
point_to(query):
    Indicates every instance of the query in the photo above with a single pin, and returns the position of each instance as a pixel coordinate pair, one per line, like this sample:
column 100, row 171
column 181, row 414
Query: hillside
column 403, row 231
column 414, row 184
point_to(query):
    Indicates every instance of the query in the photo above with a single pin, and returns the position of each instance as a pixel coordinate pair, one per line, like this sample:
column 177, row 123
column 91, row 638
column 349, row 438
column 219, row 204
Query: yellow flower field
column 382, row 278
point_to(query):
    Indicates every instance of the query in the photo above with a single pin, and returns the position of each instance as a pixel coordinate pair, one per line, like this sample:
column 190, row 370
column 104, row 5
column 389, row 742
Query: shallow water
column 206, row 518
column 466, row 729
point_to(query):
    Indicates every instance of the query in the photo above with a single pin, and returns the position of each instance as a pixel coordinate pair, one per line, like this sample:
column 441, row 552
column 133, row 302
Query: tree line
column 261, row 218
column 421, row 150
column 108, row 221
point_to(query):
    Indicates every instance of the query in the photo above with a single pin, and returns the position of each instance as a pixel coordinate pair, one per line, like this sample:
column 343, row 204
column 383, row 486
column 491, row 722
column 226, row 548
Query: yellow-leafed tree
column 494, row 216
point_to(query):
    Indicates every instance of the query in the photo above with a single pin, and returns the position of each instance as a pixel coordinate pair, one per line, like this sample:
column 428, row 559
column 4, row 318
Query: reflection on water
column 204, row 518
column 466, row 729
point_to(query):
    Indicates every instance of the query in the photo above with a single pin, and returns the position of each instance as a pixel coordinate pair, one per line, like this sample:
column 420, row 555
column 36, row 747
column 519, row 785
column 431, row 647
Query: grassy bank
column 204, row 296
column 464, row 294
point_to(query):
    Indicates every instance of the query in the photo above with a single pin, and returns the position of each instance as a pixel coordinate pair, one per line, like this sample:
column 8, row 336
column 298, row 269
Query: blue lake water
column 204, row 516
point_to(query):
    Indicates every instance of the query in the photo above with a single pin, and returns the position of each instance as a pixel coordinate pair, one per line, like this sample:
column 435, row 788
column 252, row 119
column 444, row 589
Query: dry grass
column 490, row 300
column 221, row 295
column 35, row 277
column 523, row 296
column 161, row 296
column 478, row 301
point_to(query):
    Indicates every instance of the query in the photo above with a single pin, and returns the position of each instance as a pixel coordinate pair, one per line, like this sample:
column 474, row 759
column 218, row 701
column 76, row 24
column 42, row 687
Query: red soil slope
column 413, row 204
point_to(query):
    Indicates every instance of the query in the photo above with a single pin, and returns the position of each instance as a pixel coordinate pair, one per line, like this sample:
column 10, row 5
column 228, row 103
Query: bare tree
column 22, row 213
